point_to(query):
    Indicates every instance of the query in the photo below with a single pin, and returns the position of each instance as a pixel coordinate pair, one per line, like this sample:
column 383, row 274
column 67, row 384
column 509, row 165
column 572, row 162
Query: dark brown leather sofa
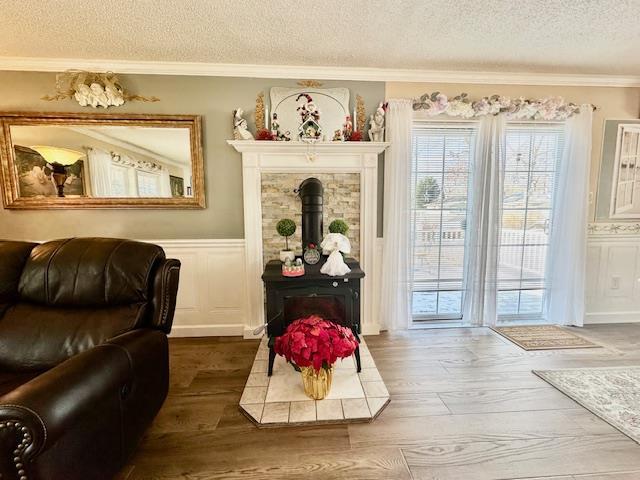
column 83, row 354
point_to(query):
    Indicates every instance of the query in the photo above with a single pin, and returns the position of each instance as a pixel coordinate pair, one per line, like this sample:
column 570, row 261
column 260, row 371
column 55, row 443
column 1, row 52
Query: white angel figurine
column 82, row 94
column 240, row 131
column 335, row 243
column 114, row 95
column 376, row 124
column 98, row 96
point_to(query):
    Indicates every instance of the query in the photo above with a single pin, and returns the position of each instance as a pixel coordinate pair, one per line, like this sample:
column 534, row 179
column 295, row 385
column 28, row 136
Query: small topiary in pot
column 286, row 228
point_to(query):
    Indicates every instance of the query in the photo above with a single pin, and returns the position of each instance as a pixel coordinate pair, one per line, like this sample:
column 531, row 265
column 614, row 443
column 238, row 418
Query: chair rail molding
column 609, row 228
column 322, row 157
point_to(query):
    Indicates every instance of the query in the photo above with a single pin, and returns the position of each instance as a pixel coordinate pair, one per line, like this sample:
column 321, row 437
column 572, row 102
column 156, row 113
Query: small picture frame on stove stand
column 311, row 254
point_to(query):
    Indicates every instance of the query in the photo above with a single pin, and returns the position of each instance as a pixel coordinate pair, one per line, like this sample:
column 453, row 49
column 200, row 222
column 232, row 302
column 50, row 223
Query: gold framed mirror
column 75, row 160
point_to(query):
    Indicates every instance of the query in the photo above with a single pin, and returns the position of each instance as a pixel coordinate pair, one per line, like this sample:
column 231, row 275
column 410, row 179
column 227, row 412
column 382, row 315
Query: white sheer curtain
column 567, row 251
column 395, row 291
column 484, row 222
column 99, row 163
column 165, row 183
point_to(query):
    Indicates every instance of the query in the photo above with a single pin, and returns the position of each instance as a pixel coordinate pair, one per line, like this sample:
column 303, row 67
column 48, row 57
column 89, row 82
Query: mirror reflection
column 102, row 161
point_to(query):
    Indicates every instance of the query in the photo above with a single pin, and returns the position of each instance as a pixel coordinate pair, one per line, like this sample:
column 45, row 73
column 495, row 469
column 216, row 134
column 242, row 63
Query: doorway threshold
column 425, row 325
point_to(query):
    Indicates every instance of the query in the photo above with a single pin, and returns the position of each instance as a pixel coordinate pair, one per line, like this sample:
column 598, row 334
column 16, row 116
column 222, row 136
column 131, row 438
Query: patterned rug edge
column 532, row 349
column 621, row 428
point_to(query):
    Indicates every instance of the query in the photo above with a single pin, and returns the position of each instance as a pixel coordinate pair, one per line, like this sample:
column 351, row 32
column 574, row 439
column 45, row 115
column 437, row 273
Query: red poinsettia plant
column 315, row 342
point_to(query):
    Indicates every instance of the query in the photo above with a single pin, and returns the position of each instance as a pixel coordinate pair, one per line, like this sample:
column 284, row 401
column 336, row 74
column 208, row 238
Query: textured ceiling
column 562, row 36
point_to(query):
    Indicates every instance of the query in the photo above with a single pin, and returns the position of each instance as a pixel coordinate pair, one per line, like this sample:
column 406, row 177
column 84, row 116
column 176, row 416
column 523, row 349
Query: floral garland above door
column 551, row 108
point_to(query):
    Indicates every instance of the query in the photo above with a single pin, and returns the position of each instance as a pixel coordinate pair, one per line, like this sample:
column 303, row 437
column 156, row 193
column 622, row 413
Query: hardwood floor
column 464, row 406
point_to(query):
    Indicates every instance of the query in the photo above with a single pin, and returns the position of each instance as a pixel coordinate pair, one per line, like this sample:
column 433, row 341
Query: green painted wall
column 212, row 97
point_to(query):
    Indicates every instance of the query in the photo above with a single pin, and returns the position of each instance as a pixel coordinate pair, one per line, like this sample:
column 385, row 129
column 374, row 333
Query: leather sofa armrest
column 165, row 291
column 148, row 350
column 124, row 381
column 36, row 414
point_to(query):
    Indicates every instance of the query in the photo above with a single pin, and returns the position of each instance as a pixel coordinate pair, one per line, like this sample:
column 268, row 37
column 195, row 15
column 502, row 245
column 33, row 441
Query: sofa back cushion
column 13, row 256
column 89, row 272
column 74, row 294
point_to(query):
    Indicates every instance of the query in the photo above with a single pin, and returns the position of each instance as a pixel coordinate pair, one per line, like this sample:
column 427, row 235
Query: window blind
column 439, row 188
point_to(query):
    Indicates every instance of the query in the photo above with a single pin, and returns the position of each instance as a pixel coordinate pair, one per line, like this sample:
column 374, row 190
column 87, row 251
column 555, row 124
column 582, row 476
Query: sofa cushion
column 38, row 337
column 83, row 272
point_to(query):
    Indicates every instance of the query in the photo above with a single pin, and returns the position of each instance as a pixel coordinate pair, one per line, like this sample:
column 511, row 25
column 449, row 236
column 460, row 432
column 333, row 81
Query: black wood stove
column 333, row 298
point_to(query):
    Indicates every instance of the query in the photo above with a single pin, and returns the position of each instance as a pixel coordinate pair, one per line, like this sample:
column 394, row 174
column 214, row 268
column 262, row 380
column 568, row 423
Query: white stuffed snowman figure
column 335, row 243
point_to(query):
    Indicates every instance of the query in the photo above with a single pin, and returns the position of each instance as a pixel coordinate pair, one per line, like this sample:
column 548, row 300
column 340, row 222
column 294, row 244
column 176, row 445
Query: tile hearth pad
column 280, row 400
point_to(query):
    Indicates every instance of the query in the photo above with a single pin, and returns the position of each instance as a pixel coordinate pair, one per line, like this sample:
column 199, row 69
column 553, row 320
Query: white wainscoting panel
column 212, row 297
column 212, row 291
column 613, row 278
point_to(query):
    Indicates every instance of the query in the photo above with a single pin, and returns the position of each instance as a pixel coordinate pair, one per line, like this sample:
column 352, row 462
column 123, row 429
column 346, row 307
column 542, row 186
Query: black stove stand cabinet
column 332, row 298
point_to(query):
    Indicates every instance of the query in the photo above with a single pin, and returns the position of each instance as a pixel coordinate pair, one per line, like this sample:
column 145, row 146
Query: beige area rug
column 543, row 337
column 280, row 400
column 613, row 393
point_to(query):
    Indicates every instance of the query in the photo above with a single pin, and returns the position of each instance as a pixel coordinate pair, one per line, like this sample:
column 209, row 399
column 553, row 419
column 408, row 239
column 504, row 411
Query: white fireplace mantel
column 323, row 157
column 302, row 147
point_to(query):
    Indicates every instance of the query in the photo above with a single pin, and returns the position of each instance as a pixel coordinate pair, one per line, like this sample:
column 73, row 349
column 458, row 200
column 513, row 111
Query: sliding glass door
column 439, row 186
column 441, row 167
column 532, row 154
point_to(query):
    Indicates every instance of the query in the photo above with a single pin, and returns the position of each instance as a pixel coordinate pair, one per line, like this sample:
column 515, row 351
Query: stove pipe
column 311, row 194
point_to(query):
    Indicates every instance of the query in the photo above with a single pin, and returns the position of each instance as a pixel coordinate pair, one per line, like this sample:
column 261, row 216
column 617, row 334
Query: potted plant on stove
column 312, row 345
column 338, row 226
column 285, row 228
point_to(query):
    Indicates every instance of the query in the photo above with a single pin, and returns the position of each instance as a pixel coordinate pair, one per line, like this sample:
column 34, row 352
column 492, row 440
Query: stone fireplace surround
column 262, row 158
column 341, row 200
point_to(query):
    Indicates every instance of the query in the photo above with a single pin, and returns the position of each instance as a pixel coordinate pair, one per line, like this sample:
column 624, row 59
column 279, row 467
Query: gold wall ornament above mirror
column 75, row 160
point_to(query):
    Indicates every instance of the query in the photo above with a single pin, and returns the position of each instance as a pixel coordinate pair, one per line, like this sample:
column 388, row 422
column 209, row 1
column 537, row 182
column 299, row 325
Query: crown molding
column 36, row 64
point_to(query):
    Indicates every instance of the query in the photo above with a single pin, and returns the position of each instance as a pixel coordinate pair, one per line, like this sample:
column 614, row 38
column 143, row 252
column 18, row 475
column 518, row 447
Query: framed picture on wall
column 625, row 198
column 177, row 186
column 34, row 172
column 619, row 183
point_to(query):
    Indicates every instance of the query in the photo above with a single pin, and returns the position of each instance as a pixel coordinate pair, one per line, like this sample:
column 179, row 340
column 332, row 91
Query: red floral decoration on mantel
column 315, row 342
column 264, row 134
column 355, row 136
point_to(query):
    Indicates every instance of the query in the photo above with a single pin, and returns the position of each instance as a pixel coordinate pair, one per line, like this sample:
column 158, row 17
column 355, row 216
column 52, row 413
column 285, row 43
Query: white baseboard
column 371, row 329
column 612, row 317
column 232, row 329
